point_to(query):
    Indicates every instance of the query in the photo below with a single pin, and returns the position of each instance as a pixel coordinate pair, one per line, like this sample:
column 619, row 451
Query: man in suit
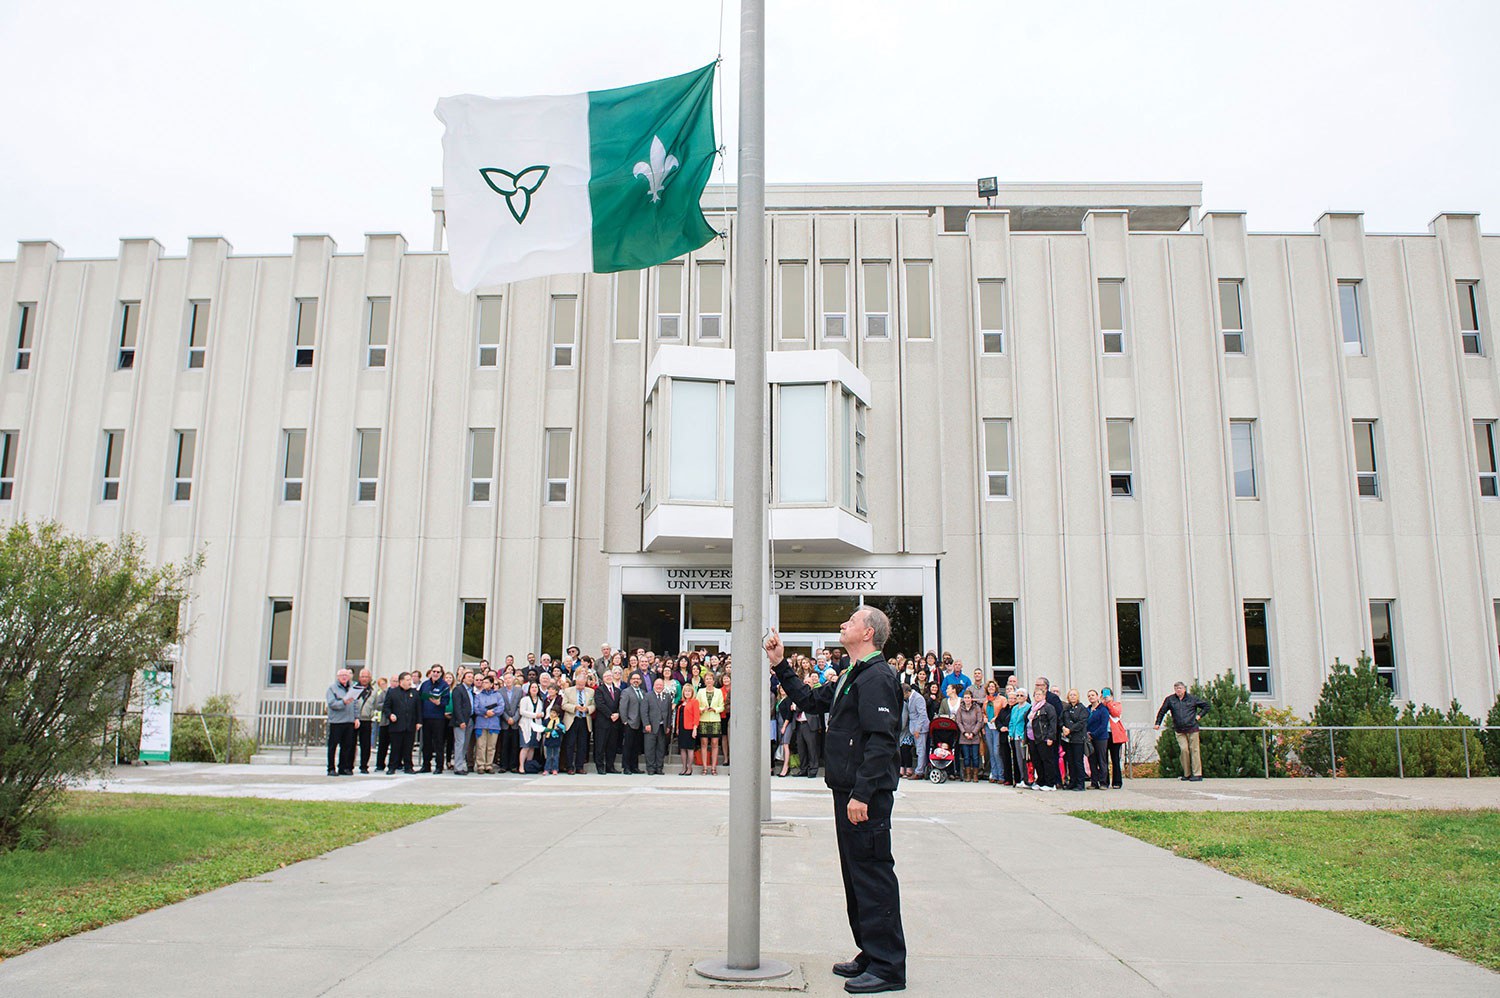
column 403, row 720
column 864, row 717
column 606, row 723
column 509, row 758
column 460, row 720
column 658, row 723
column 578, row 720
column 808, row 725
column 633, row 717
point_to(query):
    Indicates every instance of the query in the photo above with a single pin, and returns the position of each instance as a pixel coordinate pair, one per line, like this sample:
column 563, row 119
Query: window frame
column 1117, row 335
column 841, row 315
column 549, row 434
column 541, row 619
column 563, row 353
column 354, row 665
column 990, row 336
column 669, row 320
column 487, row 354
column 867, row 327
column 1371, row 477
column 25, row 329
column 10, row 444
column 1489, row 481
column 268, row 678
column 783, row 268
column 1126, row 487
column 366, row 487
column 913, row 310
column 1234, row 456
column 199, row 313
column 287, row 481
column 182, row 485
column 303, row 354
column 475, row 482
column 112, row 454
column 1269, row 670
column 1356, row 347
column 995, row 668
column 464, row 659
column 377, row 355
column 1141, row 670
column 993, row 476
column 1469, row 308
column 129, row 327
column 706, row 314
column 1392, row 674
column 617, row 309
column 1225, row 330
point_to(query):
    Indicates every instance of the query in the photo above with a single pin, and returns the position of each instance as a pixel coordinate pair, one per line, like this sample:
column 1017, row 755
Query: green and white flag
column 599, row 182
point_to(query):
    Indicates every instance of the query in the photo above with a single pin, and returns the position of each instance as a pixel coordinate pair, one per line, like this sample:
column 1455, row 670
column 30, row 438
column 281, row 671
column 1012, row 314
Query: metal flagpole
column 747, row 614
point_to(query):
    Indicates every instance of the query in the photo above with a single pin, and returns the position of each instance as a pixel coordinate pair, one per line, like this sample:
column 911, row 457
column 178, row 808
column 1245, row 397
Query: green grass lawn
column 116, row 855
column 1432, row 876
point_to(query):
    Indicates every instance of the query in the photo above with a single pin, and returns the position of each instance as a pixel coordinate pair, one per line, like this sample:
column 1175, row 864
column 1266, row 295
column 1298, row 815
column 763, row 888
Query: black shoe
column 849, row 968
column 387, row 772
column 812, row 774
column 410, row 772
column 868, row 984
column 332, row 773
column 364, row 772
column 1195, row 779
column 1184, row 779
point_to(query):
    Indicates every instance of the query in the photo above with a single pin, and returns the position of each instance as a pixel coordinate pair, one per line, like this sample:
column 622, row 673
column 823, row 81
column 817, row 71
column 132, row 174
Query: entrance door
column 703, row 640
column 808, row 644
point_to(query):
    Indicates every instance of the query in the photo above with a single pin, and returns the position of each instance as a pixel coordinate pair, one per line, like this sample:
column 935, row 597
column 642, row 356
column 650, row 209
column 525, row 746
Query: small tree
column 78, row 619
column 1225, row 753
column 1491, row 737
column 1350, row 697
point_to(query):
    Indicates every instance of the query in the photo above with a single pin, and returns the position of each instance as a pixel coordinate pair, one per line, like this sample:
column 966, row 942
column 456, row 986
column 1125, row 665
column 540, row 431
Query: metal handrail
column 1333, row 767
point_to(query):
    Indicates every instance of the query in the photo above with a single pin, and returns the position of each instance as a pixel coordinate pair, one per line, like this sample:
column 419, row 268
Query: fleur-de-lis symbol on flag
column 516, row 187
column 657, row 169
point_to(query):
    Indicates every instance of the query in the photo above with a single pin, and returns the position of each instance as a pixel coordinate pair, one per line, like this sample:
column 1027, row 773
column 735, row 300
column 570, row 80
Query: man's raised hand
column 775, row 652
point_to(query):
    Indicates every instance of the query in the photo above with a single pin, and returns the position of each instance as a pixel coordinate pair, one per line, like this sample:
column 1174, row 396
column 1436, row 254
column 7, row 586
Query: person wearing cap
column 1118, row 736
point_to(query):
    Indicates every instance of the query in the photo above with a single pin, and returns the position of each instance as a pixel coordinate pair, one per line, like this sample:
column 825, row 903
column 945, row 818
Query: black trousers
column 509, row 755
column 341, row 740
column 871, row 891
column 1044, row 761
column 362, row 734
column 1118, row 777
column 632, row 751
column 434, row 742
column 575, row 747
column 606, row 745
column 807, row 748
column 382, row 747
column 400, row 744
column 1075, row 764
column 1099, row 762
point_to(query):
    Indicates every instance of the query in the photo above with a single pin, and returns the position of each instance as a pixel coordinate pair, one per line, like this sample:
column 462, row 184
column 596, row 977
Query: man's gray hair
column 881, row 624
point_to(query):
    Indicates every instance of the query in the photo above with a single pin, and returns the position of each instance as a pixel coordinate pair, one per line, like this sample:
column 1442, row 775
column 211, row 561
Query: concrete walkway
column 613, row 886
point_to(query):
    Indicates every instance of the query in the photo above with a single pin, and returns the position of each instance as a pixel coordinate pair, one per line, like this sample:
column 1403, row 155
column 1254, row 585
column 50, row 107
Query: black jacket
column 1075, row 717
column 1185, row 711
column 1043, row 721
column 864, row 718
column 462, row 702
column 403, row 704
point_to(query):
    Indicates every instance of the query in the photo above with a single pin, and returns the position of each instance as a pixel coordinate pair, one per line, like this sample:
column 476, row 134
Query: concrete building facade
column 1084, row 431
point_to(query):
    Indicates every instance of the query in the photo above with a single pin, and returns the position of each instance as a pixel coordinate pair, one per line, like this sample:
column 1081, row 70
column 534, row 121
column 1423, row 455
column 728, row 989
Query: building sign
column 784, row 581
column 156, row 716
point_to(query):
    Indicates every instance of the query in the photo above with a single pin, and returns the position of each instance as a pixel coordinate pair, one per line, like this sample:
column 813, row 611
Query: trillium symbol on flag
column 516, row 187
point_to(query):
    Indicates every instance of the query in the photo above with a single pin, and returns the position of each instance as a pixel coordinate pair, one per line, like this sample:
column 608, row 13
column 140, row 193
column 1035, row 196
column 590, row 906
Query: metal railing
column 1304, row 738
column 221, row 733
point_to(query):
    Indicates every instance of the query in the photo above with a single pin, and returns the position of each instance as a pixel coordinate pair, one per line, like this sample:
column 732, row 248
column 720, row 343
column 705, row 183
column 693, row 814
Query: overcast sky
column 256, row 121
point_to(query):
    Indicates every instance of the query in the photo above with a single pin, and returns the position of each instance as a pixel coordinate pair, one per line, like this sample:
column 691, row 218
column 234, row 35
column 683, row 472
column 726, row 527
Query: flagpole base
column 718, row 969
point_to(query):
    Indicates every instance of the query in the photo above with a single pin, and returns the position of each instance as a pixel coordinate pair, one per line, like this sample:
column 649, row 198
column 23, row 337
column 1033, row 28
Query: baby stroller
column 942, row 748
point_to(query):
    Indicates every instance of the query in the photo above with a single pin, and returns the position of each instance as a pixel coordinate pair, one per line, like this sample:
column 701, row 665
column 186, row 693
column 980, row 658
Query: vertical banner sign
column 156, row 716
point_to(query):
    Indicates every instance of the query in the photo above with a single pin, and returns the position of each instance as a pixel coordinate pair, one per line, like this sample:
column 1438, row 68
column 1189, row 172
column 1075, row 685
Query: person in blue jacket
column 1098, row 742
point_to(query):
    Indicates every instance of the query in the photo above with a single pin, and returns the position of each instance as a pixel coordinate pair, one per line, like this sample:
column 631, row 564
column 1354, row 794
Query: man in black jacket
column 861, row 763
column 1185, row 709
column 460, row 718
column 403, row 715
column 607, row 723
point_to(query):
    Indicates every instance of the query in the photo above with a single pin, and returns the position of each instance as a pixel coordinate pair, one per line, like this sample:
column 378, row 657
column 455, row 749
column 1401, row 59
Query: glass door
column 709, row 642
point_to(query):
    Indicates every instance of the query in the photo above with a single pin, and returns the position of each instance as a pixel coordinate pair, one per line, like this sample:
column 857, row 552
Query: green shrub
column 212, row 734
column 1491, row 738
column 1226, row 754
column 1436, row 753
column 1353, row 697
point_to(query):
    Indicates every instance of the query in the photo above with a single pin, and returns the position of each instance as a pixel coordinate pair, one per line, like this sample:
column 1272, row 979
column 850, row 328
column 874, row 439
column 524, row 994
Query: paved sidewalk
column 620, row 884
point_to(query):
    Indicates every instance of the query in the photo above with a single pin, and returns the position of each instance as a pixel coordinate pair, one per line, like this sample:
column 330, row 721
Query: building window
column 471, row 636
column 793, row 301
column 182, row 477
column 488, row 330
column 356, row 634
column 669, row 301
column 114, row 447
column 1258, row 647
column 1130, row 636
column 1242, row 450
column 1468, row 316
column 648, row 475
column 693, row 461
column 25, row 333
column 130, row 320
column 1366, row 472
column 992, row 316
column 279, row 652
column 861, row 447
column 1121, row 460
column 564, row 329
column 1351, row 321
column 997, row 458
column 559, row 461
column 7, row 465
column 377, row 331
column 802, row 444
column 550, row 633
column 294, row 450
column 307, row 332
column 1112, row 315
column 367, row 465
column 710, row 301
column 1484, row 453
column 481, row 465
column 877, row 278
column 1002, row 640
column 1383, row 641
column 197, row 351
column 1232, row 316
column 918, row 300
column 835, row 301
column 628, row 306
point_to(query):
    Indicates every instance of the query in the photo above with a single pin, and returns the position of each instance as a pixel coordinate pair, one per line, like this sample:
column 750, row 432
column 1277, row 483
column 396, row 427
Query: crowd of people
column 615, row 710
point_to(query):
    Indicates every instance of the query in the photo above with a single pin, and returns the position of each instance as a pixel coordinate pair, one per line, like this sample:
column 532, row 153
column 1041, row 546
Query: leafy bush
column 1491, row 737
column 212, row 734
column 1288, row 750
column 79, row 618
column 1356, row 696
column 1225, row 753
column 1437, row 753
